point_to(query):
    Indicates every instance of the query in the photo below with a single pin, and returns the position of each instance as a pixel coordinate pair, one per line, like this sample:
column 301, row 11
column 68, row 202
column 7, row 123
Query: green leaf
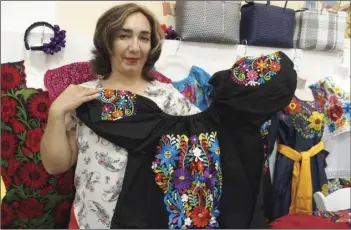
column 11, row 196
column 4, row 127
column 26, row 93
column 50, row 200
column 42, row 221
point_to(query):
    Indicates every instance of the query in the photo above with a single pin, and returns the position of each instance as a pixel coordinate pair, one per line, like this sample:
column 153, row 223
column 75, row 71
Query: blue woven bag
column 267, row 25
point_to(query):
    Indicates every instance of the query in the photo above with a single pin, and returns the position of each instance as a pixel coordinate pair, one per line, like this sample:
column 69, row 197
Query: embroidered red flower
column 7, row 215
column 38, row 105
column 335, row 112
column 200, row 216
column 33, row 139
column 12, row 166
column 190, row 93
column 10, row 78
column 294, row 107
column 33, row 175
column 274, row 66
column 321, row 100
column 30, row 208
column 8, row 145
column 65, row 184
column 61, row 211
column 26, row 151
column 333, row 100
column 47, row 189
column 17, row 126
column 8, row 108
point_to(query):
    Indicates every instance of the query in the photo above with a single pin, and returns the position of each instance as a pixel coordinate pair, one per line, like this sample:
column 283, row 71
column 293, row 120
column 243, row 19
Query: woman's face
column 132, row 45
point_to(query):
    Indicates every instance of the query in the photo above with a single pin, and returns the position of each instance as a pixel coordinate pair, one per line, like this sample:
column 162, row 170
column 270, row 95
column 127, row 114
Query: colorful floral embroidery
column 116, row 104
column 265, row 127
column 189, row 173
column 307, row 116
column 255, row 71
column 337, row 106
column 191, row 93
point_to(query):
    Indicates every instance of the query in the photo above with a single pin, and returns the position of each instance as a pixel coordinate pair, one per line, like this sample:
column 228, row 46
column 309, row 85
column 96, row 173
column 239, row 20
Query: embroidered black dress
column 198, row 171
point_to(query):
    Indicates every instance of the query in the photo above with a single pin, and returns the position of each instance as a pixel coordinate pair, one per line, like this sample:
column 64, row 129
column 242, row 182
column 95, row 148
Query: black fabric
column 236, row 114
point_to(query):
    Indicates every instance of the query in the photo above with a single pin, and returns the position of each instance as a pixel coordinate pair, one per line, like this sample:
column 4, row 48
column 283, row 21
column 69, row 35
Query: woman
column 127, row 43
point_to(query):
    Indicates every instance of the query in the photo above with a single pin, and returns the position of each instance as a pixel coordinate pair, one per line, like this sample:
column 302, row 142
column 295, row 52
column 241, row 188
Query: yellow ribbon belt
column 301, row 185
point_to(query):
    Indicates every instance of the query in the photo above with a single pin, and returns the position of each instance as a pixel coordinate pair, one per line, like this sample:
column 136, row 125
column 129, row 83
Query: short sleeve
column 176, row 104
column 138, row 134
column 254, row 88
column 203, row 78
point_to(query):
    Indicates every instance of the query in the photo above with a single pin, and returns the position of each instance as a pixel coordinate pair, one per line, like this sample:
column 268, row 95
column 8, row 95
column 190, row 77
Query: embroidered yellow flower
column 337, row 90
column 325, row 189
column 117, row 113
column 316, row 120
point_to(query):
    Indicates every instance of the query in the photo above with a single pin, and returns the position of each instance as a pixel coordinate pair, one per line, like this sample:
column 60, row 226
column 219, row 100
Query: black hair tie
column 56, row 43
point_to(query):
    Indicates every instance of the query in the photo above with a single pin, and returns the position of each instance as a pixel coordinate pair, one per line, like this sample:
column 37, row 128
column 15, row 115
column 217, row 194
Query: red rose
column 10, row 77
column 17, row 126
column 8, row 108
column 65, row 184
column 30, row 208
column 7, row 215
column 62, row 212
column 335, row 112
column 12, row 166
column 33, row 139
column 8, row 145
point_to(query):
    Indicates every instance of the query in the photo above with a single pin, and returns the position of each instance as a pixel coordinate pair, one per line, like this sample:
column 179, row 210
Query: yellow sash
column 301, row 185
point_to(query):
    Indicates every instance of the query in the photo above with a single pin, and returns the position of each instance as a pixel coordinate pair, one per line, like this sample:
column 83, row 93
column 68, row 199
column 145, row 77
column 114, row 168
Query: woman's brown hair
column 106, row 29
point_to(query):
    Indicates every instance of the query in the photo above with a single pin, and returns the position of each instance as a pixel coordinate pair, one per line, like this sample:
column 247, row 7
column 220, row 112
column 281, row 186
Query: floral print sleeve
column 176, row 104
column 336, row 106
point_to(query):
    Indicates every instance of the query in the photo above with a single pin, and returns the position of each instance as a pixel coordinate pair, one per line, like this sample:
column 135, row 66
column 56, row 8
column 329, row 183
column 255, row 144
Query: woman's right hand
column 71, row 98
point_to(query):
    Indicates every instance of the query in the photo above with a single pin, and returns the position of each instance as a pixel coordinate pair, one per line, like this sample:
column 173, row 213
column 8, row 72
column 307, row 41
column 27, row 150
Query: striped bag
column 319, row 29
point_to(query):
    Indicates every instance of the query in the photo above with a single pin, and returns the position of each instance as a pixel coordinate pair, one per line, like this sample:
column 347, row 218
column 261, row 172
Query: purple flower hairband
column 57, row 42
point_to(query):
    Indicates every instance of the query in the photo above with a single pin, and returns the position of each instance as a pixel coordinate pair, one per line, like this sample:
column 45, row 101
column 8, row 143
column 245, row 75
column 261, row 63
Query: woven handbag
column 320, row 29
column 267, row 25
column 208, row 21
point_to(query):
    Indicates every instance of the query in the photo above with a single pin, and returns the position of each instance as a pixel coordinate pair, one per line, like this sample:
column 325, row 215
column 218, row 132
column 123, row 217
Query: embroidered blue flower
column 347, row 109
column 331, row 127
column 215, row 151
column 168, row 154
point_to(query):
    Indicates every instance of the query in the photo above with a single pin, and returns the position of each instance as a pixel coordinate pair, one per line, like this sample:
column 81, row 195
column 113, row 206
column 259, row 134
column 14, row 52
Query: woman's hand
column 71, row 98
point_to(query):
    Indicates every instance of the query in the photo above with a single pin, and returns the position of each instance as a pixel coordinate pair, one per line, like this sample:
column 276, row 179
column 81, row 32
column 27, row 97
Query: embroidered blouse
column 195, row 87
column 198, row 171
column 101, row 165
column 337, row 106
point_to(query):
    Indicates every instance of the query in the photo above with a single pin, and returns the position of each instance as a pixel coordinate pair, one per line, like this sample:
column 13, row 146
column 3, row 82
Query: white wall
column 17, row 16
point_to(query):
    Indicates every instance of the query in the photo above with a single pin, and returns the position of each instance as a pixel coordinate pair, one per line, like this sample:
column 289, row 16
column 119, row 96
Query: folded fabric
column 57, row 80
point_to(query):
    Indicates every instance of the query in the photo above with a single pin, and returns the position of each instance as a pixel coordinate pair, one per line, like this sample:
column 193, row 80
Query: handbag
column 320, row 29
column 208, row 21
column 267, row 25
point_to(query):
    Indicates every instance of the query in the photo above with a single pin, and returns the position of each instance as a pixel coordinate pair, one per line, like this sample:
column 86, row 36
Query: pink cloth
column 57, row 80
